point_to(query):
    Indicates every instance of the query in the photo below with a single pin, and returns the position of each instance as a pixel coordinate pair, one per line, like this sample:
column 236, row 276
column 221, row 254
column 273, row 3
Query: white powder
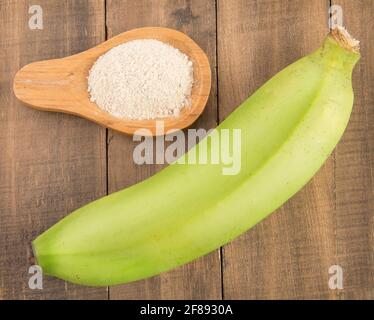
column 142, row 79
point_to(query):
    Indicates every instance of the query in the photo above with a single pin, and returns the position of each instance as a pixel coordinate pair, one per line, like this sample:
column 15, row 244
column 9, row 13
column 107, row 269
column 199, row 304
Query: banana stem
column 345, row 40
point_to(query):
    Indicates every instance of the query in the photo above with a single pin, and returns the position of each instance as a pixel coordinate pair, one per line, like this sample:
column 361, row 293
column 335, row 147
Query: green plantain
column 289, row 127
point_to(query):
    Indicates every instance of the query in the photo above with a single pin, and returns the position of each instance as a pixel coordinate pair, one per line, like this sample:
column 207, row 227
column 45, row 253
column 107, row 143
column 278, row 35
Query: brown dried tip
column 345, row 40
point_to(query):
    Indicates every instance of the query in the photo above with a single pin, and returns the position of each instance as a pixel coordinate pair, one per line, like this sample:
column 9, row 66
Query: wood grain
column 61, row 84
column 50, row 164
column 200, row 279
column 354, row 164
column 287, row 255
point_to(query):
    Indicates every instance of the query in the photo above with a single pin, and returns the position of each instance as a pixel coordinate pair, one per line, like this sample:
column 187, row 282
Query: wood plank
column 288, row 254
column 355, row 164
column 50, row 164
column 199, row 279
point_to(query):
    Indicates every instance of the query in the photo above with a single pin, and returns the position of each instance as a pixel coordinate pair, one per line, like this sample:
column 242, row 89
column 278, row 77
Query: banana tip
column 344, row 39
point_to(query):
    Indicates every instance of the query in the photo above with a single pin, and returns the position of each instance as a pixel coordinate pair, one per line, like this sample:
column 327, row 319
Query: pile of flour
column 141, row 79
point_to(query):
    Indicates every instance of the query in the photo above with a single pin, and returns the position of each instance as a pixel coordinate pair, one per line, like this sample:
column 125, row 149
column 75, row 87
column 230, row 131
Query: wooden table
column 51, row 163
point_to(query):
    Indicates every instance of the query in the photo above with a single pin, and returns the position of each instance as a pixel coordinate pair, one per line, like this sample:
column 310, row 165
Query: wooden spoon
column 61, row 84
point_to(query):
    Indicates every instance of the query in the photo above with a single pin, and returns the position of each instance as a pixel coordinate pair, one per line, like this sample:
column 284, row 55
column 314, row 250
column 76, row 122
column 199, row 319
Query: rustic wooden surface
column 288, row 255
column 354, row 166
column 51, row 163
column 199, row 279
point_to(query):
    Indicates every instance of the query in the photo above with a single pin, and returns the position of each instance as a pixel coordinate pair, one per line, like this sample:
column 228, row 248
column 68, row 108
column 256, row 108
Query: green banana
column 289, row 127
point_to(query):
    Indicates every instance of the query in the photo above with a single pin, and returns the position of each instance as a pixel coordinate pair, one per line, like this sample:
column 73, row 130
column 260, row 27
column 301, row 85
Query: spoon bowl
column 61, row 84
